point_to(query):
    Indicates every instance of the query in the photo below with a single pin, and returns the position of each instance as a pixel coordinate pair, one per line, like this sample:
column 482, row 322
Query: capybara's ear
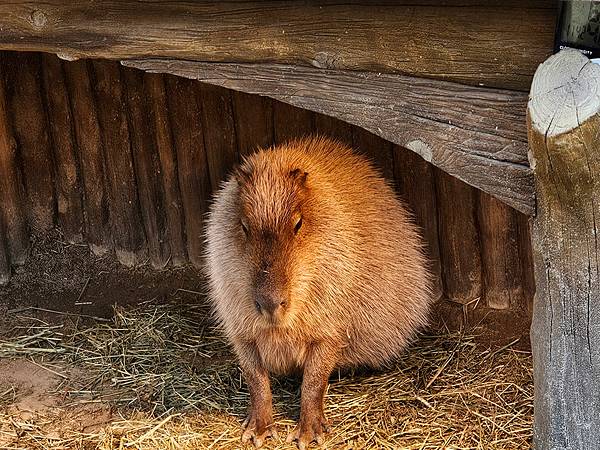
column 242, row 175
column 299, row 176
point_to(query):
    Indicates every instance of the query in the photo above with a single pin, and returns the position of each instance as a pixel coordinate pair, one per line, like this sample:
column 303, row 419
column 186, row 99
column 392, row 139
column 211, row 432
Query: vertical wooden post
column 4, row 257
column 60, row 124
column 156, row 91
column 185, row 110
column 124, row 209
column 12, row 192
column 30, row 127
column 90, row 154
column 564, row 140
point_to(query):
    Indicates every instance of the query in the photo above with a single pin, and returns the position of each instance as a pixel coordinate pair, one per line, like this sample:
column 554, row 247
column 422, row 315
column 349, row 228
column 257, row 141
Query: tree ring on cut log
column 568, row 79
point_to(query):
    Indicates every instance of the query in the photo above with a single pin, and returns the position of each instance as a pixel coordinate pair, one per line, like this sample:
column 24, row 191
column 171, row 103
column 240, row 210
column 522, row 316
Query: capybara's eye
column 244, row 227
column 298, row 224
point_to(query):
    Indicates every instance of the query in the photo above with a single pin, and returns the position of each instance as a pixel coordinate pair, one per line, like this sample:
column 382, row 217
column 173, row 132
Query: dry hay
column 173, row 384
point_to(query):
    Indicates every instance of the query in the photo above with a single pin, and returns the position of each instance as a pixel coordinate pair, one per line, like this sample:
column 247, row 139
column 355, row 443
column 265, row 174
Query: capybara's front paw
column 258, row 426
column 310, row 429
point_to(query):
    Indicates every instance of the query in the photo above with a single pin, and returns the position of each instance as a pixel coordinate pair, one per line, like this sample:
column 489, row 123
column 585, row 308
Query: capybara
column 313, row 264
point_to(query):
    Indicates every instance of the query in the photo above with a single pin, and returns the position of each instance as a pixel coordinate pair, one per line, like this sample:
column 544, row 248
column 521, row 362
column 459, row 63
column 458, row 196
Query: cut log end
column 564, row 93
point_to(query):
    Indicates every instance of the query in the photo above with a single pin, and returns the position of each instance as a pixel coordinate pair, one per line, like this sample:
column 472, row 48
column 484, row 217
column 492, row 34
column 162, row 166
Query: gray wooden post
column 564, row 152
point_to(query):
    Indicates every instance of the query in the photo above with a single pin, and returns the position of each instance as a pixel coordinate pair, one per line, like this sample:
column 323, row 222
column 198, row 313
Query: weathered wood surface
column 377, row 150
column 5, row 266
column 148, row 180
column 564, row 130
column 12, row 193
column 26, row 106
column 480, row 43
column 218, row 126
column 474, row 134
column 91, row 156
column 415, row 180
column 290, row 122
column 184, row 104
column 123, row 204
column 171, row 201
column 67, row 178
column 333, row 127
column 254, row 122
column 459, row 241
column 499, row 240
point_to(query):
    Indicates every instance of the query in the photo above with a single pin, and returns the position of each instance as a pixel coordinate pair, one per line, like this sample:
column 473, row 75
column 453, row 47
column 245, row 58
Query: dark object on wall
column 578, row 26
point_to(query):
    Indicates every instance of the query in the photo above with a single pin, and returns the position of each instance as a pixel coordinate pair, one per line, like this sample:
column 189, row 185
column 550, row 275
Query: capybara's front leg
column 320, row 363
column 259, row 424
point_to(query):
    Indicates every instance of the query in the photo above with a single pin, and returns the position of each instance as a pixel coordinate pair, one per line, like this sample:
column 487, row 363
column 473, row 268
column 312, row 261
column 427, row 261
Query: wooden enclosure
column 126, row 161
column 435, row 93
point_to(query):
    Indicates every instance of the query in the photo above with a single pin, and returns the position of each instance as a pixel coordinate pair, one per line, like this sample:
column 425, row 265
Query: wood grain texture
column 415, row 182
column 60, row 122
column 290, row 122
column 125, row 218
column 377, row 150
column 219, row 127
column 254, row 122
column 91, row 156
column 334, row 128
column 173, row 208
column 30, row 126
column 184, row 103
column 147, row 167
column 502, row 270
column 474, row 134
column 526, row 261
column 565, row 331
column 459, row 239
column 12, row 192
column 480, row 43
column 5, row 268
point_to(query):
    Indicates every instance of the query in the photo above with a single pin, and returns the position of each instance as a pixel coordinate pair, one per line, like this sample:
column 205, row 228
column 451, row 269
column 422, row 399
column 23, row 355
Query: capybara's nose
column 269, row 303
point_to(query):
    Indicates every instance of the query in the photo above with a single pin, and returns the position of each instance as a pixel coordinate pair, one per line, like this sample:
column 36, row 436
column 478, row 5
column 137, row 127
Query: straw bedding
column 159, row 376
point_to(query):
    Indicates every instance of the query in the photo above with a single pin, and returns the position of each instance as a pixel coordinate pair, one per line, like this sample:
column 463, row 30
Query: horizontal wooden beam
column 475, row 134
column 495, row 43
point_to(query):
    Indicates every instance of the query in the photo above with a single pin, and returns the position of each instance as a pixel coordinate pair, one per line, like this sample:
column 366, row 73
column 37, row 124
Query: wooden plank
column 4, row 256
column 474, row 134
column 290, row 122
column 12, row 192
column 125, row 218
column 500, row 258
column 334, row 128
column 526, row 259
column 184, row 104
column 480, row 43
column 172, row 204
column 90, row 154
column 219, row 132
column 379, row 151
column 254, row 122
column 30, row 126
column 564, row 125
column 458, row 238
column 416, row 183
column 147, row 167
column 67, row 178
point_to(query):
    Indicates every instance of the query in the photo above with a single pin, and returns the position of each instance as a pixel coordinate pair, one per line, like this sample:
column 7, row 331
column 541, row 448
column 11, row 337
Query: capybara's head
column 274, row 225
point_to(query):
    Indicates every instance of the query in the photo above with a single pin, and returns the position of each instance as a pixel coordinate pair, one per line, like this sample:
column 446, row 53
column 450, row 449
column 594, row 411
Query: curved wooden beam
column 564, row 130
column 475, row 134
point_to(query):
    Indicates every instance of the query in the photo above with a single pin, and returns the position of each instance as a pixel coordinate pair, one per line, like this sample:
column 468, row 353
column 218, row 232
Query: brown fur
column 350, row 288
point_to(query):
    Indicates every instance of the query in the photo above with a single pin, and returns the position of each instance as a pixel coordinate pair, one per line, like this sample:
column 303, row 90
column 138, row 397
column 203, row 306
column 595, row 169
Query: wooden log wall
column 126, row 161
